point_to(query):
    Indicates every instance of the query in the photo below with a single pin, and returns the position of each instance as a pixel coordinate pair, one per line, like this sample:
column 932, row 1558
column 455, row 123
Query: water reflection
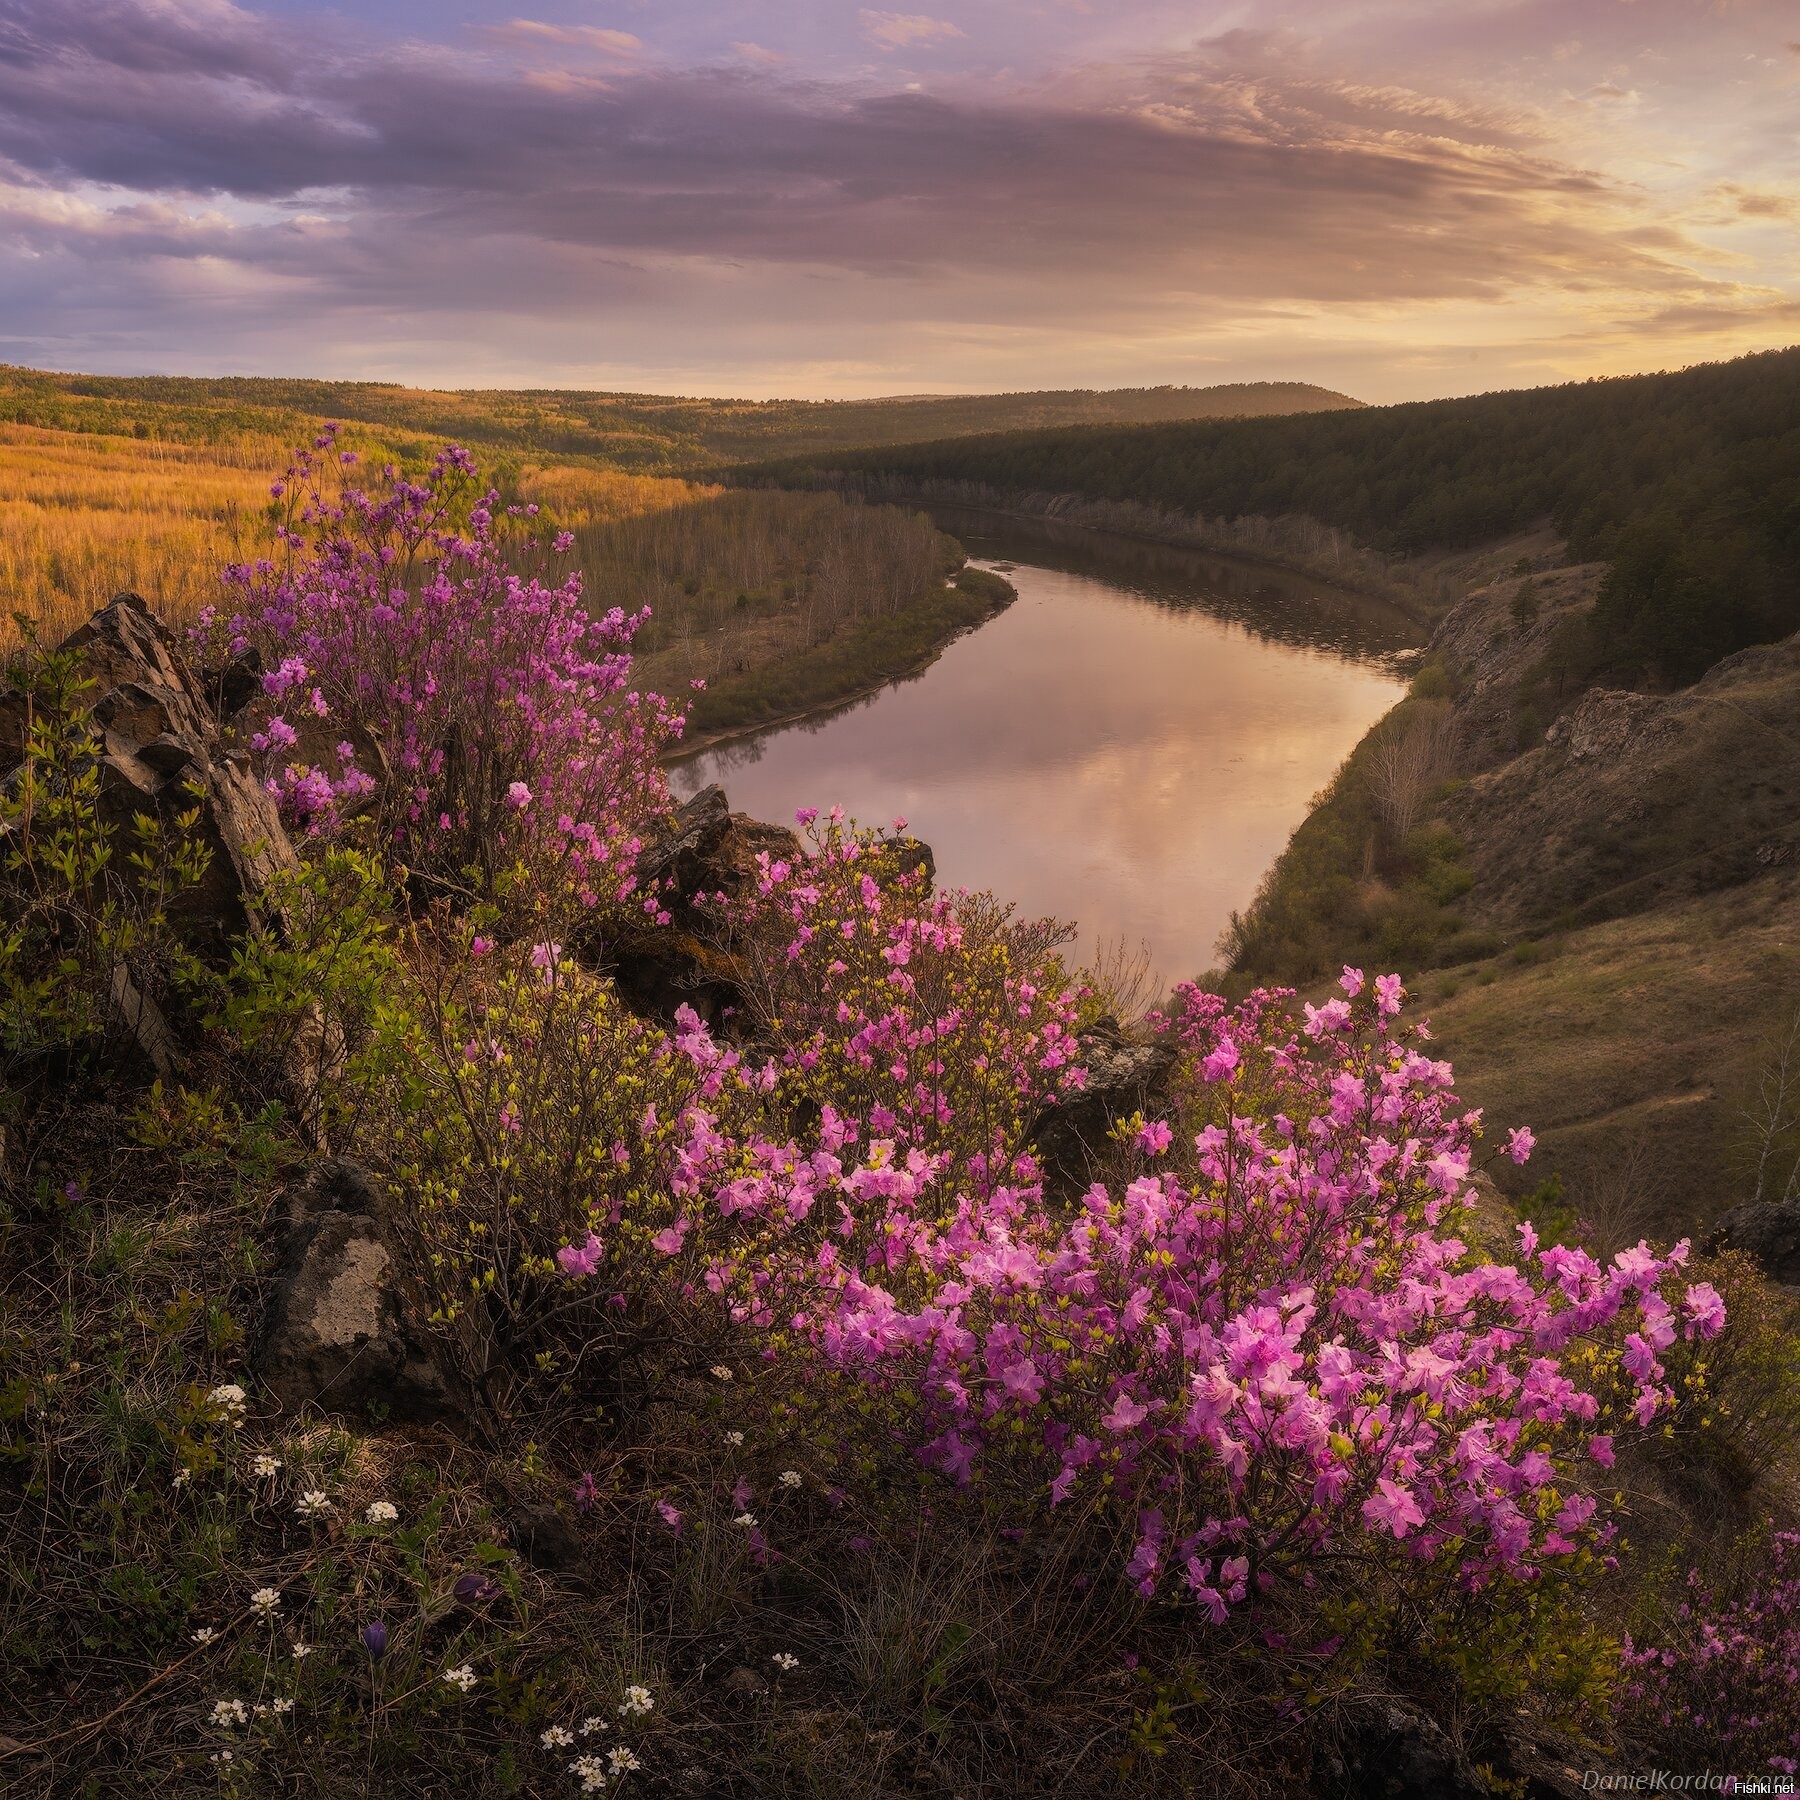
column 1128, row 746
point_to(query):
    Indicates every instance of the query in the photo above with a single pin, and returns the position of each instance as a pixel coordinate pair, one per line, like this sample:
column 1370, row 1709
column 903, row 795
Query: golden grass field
column 84, row 516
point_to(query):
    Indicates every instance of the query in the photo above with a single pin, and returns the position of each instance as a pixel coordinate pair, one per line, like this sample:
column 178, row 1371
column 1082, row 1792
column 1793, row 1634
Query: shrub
column 435, row 634
column 86, row 943
column 1718, row 1673
column 1258, row 1350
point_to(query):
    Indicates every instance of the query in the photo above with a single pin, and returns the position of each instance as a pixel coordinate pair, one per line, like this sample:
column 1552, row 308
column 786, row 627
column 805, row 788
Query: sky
column 1395, row 198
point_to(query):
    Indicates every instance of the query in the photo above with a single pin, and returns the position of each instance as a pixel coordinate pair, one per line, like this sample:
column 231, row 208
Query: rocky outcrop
column 710, row 851
column 1124, row 1076
column 1767, row 1231
column 336, row 1333
column 157, row 754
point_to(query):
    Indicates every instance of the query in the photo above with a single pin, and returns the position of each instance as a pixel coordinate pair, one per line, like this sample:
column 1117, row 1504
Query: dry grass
column 1633, row 1049
column 83, row 517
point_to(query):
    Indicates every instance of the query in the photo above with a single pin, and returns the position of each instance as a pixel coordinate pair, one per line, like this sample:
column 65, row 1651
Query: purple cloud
column 236, row 168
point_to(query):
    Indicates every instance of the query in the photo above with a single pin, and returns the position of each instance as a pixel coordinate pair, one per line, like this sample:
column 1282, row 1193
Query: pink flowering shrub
column 545, row 1148
column 1265, row 1349
column 466, row 689
column 1717, row 1675
column 937, row 1021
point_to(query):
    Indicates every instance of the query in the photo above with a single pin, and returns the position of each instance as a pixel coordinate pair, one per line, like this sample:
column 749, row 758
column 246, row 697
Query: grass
column 1635, row 1042
column 84, row 516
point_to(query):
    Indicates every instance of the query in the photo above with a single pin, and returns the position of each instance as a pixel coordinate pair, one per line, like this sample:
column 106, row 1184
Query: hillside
column 1594, row 888
column 1689, row 483
column 650, row 433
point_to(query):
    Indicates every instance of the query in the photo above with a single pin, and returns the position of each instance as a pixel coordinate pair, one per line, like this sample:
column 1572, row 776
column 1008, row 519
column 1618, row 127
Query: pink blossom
column 583, row 1260
column 1393, row 1507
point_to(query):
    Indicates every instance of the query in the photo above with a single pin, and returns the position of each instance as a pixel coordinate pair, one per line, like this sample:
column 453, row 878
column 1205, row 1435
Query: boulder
column 1392, row 1750
column 1124, row 1076
column 1768, row 1231
column 708, row 850
column 336, row 1334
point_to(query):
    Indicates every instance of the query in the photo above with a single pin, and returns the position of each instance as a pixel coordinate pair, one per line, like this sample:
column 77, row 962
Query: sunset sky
column 1398, row 198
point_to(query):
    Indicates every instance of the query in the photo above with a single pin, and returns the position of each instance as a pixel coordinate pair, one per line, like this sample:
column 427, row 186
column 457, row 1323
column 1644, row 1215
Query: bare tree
column 1618, row 1198
column 1126, row 981
column 1409, row 762
column 1772, row 1120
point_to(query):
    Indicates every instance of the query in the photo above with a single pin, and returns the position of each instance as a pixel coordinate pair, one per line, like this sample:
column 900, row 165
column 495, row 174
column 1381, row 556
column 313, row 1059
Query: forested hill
column 1689, row 482
column 647, row 433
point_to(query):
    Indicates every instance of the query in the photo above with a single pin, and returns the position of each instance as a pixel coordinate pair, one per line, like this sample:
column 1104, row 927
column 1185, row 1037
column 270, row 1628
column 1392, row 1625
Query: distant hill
column 650, row 433
column 1689, row 483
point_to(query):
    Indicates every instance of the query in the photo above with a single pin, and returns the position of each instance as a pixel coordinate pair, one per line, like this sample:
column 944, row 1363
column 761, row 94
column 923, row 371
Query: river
column 1127, row 747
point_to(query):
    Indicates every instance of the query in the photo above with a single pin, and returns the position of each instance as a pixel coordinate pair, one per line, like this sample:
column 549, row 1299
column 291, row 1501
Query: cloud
column 190, row 173
column 903, row 31
column 586, row 37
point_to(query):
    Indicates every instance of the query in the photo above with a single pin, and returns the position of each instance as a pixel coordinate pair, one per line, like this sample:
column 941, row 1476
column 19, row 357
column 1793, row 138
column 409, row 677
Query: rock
column 336, row 1334
column 710, row 850
column 233, row 685
column 1607, row 721
column 157, row 753
column 545, row 1538
column 678, row 862
column 141, row 1019
column 1392, row 1750
column 1124, row 1076
column 1767, row 1231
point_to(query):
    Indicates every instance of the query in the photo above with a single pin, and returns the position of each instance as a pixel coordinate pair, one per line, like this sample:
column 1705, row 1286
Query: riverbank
column 1422, row 588
column 857, row 661
column 1595, row 890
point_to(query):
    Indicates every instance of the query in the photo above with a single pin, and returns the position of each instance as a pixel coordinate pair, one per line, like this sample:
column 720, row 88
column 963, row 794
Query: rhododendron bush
column 939, row 1020
column 483, row 708
column 1264, row 1340
column 1719, row 1670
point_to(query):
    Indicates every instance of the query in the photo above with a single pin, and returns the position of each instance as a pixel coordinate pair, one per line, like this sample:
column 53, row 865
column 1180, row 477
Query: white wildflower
column 229, row 1713
column 265, row 1465
column 205, row 1635
column 619, row 1759
column 747, row 1520
column 462, row 1678
column 590, row 1725
column 382, row 1512
column 720, row 1372
column 637, row 1702
column 591, row 1771
column 231, row 1400
column 790, row 1478
column 182, row 1477
column 267, row 1601
column 279, row 1707
column 301, row 1650
column 734, row 1438
column 558, row 1737
column 222, row 1756
column 785, row 1661
column 315, row 1503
